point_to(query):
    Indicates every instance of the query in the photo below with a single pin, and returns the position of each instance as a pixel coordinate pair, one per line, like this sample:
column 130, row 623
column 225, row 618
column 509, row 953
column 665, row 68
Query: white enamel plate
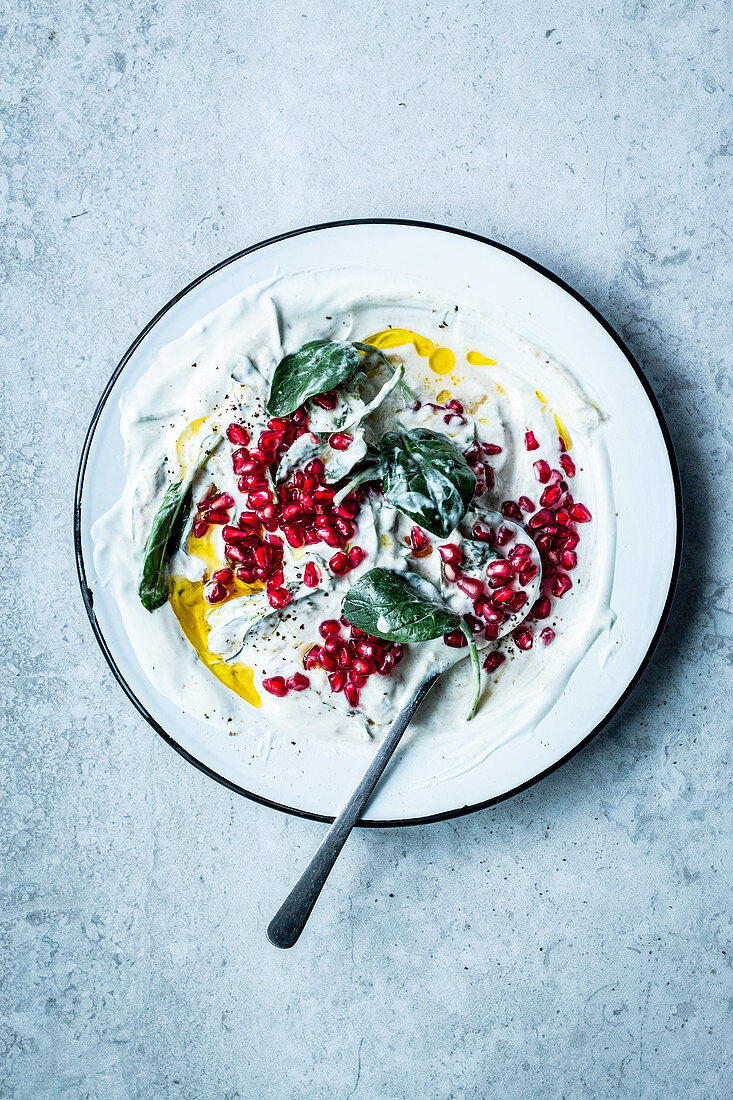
column 304, row 777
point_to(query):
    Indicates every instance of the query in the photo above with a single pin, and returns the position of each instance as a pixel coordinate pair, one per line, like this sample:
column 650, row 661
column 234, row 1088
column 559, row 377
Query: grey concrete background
column 573, row 942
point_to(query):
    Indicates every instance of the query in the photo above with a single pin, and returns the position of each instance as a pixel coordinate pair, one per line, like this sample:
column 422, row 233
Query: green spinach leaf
column 396, row 607
column 166, row 530
column 426, row 477
column 389, row 605
column 318, row 366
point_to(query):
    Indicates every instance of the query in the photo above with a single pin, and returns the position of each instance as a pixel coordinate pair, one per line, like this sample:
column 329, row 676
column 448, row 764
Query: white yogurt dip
column 218, row 373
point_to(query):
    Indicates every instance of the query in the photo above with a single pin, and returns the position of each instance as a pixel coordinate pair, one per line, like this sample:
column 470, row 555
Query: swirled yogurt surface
column 212, row 659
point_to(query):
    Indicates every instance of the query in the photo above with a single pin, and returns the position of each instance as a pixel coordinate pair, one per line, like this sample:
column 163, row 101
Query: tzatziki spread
column 335, row 484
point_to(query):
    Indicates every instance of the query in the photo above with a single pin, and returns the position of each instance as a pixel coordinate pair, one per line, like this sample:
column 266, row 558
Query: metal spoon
column 286, row 926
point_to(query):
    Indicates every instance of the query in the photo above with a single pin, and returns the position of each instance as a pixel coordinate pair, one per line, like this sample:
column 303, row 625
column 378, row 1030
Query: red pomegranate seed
column 450, row 573
column 561, row 443
column 482, row 607
column 316, row 469
column 363, row 668
column 263, row 555
column 519, row 599
column 214, row 592
column 483, row 534
column 240, row 459
column 325, row 400
column 295, row 536
column 499, row 573
column 490, row 449
column 200, row 527
column 523, row 638
column 311, row 536
column 530, row 442
column 279, row 598
column 504, row 535
column 339, row 563
column 278, row 424
column 368, row 650
column 526, row 504
column 471, row 586
column 511, row 510
column 551, row 496
column 450, row 553
column 337, row 680
column 571, row 541
column 351, row 693
column 276, row 579
column 502, row 595
column 245, row 574
column 494, row 661
column 276, row 686
column 223, row 576
column 456, row 639
column 235, row 553
column 328, row 661
column 472, row 453
column 223, row 500
column 311, row 576
column 547, row 635
column 385, row 663
column 489, row 475
column 260, row 498
column 330, row 536
column 340, row 441
column 539, row 519
column 236, row 534
column 248, row 521
column 312, row 658
column 269, row 442
column 568, row 559
column 568, row 465
column 491, row 632
column 419, row 541
column 290, row 511
column 518, row 554
column 298, row 682
column 300, row 416
column 217, row 516
column 329, row 626
column 398, row 652
column 345, row 656
column 580, row 513
column 356, row 556
column 562, row 517
column 542, row 471
column 541, row 608
column 345, row 527
column 527, row 574
column 561, row 584
column 474, row 624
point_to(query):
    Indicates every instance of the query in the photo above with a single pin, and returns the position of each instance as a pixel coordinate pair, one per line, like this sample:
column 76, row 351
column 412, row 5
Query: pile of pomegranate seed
column 483, row 472
column 214, row 509
column 349, row 659
column 496, row 598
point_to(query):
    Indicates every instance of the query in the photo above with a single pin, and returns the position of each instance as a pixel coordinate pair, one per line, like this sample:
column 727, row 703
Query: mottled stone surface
column 573, row 942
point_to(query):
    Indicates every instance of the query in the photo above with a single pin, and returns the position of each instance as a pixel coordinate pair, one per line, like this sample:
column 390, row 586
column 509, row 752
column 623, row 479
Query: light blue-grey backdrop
column 573, row 942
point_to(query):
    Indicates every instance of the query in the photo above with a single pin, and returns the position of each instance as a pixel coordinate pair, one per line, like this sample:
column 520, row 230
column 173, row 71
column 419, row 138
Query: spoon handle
column 290, row 919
